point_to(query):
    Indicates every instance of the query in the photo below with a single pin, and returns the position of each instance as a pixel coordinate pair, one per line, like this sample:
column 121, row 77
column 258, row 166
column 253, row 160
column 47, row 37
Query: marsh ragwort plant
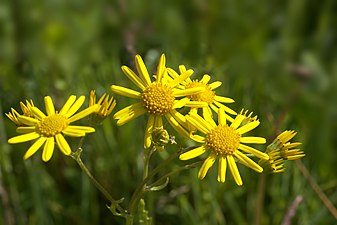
column 220, row 132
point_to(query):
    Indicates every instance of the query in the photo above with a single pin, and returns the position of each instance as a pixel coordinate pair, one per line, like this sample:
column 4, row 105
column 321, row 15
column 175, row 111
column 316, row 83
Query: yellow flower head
column 156, row 98
column 105, row 106
column 26, row 110
column 281, row 150
column 226, row 143
column 208, row 95
column 50, row 128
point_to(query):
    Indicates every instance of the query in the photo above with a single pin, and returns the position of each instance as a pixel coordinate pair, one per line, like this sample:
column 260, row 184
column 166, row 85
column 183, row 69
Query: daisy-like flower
column 50, row 128
column 226, row 143
column 208, row 96
column 104, row 109
column 281, row 150
column 26, row 110
column 156, row 98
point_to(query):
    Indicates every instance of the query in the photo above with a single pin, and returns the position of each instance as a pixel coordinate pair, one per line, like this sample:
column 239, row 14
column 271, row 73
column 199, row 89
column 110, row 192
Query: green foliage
column 276, row 58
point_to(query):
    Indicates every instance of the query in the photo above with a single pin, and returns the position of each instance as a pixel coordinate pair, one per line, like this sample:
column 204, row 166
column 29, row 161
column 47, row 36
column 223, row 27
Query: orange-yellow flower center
column 223, row 140
column 52, row 125
column 158, row 99
column 205, row 96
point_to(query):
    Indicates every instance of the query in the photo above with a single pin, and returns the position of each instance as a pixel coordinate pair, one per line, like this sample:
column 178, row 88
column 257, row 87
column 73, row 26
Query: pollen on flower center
column 52, row 125
column 223, row 140
column 205, row 96
column 158, row 99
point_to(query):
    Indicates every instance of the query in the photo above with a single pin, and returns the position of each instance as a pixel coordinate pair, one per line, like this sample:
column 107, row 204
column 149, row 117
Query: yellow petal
column 237, row 121
column 193, row 153
column 131, row 114
column 77, row 104
column 84, row 129
column 142, row 71
column 83, row 113
column 207, row 114
column 179, row 117
column 125, row 92
column 173, row 73
column 180, row 78
column 253, row 140
column 222, row 169
column 32, row 149
column 234, row 170
column 188, row 91
column 180, row 103
column 48, row 149
column 221, row 117
column 223, row 99
column 227, row 109
column 28, row 120
column 200, row 123
column 49, row 105
column 208, row 163
column 182, row 68
column 73, row 132
column 205, row 79
column 197, row 138
column 215, row 85
column 196, row 104
column 24, row 130
column 173, row 122
column 63, row 144
column 248, row 162
column 248, row 127
column 38, row 113
column 148, row 131
column 133, row 77
column 253, row 151
column 67, row 105
column 23, row 138
column 285, row 136
column 129, row 110
column 161, row 68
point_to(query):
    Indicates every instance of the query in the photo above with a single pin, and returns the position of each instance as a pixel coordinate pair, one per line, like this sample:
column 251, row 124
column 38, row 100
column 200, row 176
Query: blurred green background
column 276, row 58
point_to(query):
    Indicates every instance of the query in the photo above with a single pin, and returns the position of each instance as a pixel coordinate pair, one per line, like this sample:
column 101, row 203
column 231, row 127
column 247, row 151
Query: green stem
column 77, row 157
column 147, row 155
column 136, row 196
column 129, row 220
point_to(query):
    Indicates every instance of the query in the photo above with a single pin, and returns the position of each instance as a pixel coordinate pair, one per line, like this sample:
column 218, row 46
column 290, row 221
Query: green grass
column 276, row 58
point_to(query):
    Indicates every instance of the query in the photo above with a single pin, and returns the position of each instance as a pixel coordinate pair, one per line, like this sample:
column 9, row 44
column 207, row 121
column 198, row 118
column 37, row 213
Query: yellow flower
column 281, row 150
column 157, row 98
column 26, row 110
column 50, row 128
column 208, row 96
column 105, row 106
column 226, row 143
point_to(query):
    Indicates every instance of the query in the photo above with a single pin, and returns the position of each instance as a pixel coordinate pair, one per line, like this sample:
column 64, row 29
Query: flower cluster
column 220, row 130
column 222, row 138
